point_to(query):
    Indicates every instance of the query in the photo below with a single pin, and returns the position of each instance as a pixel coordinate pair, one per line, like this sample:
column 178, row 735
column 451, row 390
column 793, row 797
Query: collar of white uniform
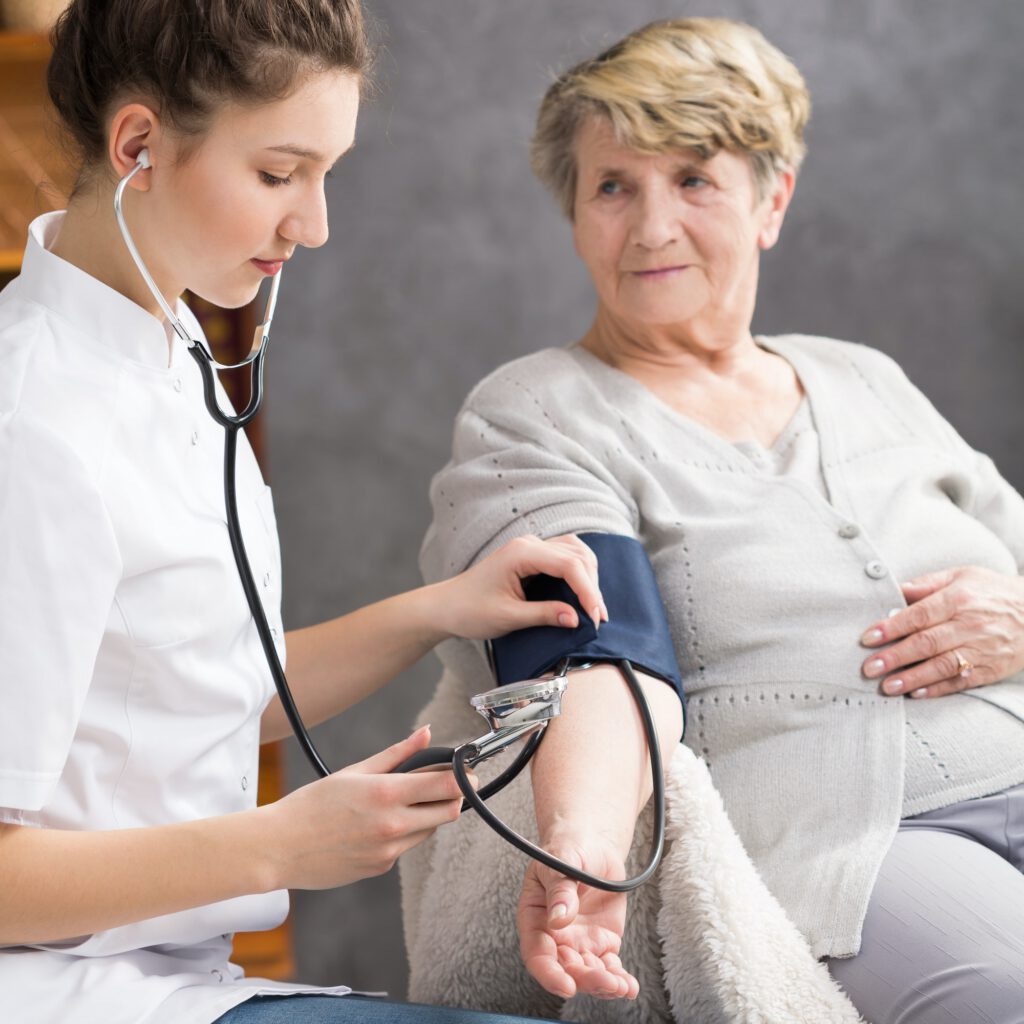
column 93, row 308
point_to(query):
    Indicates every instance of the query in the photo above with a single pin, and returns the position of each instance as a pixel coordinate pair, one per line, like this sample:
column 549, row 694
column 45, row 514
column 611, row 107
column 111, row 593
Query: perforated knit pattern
column 957, row 750
column 767, row 587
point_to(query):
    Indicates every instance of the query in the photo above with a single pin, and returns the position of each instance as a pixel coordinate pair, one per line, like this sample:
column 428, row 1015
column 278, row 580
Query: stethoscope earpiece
column 262, row 333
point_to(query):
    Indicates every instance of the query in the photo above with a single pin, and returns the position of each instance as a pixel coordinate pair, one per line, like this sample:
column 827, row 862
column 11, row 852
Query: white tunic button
column 266, row 579
column 876, row 570
column 245, row 782
column 177, row 383
column 849, row 530
column 195, row 437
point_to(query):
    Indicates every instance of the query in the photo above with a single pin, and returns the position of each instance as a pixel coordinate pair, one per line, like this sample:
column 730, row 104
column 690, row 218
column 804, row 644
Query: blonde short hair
column 704, row 84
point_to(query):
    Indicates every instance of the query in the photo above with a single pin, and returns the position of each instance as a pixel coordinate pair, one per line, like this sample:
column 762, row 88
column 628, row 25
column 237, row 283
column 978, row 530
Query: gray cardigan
column 767, row 584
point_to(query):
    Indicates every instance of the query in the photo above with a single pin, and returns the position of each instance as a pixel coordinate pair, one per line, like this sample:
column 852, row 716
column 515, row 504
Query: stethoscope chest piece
column 532, row 701
column 512, row 712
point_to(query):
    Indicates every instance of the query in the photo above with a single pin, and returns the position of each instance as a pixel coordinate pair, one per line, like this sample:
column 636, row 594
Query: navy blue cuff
column 637, row 629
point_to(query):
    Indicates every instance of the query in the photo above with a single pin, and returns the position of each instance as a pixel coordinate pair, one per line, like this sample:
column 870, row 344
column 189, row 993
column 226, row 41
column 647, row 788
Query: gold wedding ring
column 964, row 667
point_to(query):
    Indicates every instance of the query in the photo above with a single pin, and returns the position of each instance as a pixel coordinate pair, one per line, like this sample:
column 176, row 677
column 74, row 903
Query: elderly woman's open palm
column 570, row 934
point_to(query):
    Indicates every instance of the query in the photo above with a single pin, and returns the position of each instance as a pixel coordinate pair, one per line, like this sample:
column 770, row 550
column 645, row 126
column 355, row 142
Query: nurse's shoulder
column 58, row 389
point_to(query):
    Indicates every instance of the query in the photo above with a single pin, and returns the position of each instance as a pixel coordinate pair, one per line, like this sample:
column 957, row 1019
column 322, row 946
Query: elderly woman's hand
column 488, row 601
column 964, row 627
column 570, row 934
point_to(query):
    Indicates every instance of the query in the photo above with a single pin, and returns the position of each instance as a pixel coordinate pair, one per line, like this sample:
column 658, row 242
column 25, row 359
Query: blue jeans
column 352, row 1010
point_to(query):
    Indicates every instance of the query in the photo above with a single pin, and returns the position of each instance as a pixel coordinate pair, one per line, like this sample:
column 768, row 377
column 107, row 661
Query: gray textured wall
column 446, row 259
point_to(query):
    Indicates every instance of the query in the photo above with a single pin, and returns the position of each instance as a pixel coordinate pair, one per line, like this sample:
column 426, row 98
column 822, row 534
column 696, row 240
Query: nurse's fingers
column 572, row 543
column 574, row 563
column 408, row 841
column 391, row 757
column 413, row 820
column 426, row 787
column 423, row 786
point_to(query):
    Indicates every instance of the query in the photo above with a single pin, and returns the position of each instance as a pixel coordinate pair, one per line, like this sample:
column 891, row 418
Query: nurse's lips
column 269, row 267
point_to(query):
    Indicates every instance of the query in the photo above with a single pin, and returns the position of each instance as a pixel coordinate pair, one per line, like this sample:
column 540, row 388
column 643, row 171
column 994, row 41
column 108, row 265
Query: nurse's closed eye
column 269, row 179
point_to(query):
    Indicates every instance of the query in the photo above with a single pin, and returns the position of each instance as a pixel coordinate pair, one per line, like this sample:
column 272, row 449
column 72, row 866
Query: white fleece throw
column 707, row 941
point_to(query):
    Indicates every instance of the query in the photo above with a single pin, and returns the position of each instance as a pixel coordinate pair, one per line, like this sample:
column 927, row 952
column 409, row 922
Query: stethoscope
column 519, row 711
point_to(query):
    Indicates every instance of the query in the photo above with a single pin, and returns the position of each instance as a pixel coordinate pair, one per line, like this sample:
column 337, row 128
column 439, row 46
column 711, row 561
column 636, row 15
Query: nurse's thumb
column 391, row 757
column 563, row 902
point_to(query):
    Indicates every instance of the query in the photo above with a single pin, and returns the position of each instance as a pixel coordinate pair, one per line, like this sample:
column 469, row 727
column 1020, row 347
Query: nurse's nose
column 306, row 222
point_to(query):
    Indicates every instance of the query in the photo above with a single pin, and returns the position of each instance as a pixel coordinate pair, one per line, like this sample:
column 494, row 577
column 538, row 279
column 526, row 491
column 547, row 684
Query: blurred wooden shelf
column 24, row 46
column 35, row 175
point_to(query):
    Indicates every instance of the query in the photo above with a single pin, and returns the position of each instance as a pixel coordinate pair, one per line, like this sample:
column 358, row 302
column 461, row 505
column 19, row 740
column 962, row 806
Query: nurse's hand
column 357, row 822
column 963, row 628
column 487, row 600
column 570, row 934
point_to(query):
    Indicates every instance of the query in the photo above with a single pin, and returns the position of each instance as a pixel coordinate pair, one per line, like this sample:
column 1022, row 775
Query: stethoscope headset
column 517, row 711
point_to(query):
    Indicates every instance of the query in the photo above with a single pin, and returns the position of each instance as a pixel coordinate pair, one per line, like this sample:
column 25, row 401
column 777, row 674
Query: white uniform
column 131, row 675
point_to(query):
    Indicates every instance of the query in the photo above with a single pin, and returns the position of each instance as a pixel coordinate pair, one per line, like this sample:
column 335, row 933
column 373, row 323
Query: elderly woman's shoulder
column 542, row 379
column 842, row 356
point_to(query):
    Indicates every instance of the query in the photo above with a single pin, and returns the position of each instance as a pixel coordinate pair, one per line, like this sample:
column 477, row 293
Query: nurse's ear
column 133, row 128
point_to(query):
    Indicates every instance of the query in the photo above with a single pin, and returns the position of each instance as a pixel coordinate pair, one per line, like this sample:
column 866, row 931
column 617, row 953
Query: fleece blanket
column 707, row 941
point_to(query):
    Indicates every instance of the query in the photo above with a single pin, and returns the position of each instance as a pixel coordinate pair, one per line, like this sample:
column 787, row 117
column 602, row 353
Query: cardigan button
column 849, row 530
column 876, row 570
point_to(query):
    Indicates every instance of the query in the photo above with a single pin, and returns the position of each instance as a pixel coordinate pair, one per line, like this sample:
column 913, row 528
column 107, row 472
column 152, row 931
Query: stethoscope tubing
column 252, row 597
column 476, row 801
column 457, row 757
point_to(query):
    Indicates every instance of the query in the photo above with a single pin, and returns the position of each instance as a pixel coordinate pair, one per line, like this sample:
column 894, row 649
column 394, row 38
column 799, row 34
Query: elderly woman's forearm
column 592, row 774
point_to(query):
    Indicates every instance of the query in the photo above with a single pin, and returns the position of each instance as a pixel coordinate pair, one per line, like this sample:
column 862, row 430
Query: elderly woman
column 840, row 570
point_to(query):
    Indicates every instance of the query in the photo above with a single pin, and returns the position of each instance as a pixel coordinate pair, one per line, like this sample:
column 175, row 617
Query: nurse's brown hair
column 186, row 56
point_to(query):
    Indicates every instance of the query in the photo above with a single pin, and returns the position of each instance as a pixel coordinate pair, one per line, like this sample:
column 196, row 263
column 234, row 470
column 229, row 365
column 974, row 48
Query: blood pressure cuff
column 637, row 628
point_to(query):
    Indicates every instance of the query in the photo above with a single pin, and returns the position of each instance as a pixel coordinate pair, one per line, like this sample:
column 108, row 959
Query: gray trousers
column 944, row 934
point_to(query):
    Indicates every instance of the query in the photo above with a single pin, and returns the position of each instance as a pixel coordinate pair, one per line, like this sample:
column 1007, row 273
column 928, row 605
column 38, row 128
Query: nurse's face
column 225, row 213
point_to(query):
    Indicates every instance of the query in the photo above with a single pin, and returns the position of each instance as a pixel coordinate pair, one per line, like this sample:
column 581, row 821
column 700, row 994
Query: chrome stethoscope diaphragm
column 523, row 711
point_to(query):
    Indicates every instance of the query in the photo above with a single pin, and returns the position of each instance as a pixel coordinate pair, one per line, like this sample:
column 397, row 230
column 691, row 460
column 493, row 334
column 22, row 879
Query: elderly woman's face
column 669, row 238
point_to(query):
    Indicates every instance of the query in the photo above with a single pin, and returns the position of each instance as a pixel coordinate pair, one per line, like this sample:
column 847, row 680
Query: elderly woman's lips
column 658, row 272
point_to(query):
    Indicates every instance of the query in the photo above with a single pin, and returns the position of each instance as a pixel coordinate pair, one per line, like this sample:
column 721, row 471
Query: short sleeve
column 60, row 570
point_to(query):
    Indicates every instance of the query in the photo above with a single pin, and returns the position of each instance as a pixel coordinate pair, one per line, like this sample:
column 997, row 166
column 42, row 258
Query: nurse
column 133, row 690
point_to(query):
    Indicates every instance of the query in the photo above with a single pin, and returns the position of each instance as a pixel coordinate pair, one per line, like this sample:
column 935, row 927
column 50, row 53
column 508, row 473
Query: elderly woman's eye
column 694, row 181
column 609, row 188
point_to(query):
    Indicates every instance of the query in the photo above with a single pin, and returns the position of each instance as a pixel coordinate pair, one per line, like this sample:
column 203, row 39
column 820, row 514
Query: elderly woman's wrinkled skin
column 673, row 244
